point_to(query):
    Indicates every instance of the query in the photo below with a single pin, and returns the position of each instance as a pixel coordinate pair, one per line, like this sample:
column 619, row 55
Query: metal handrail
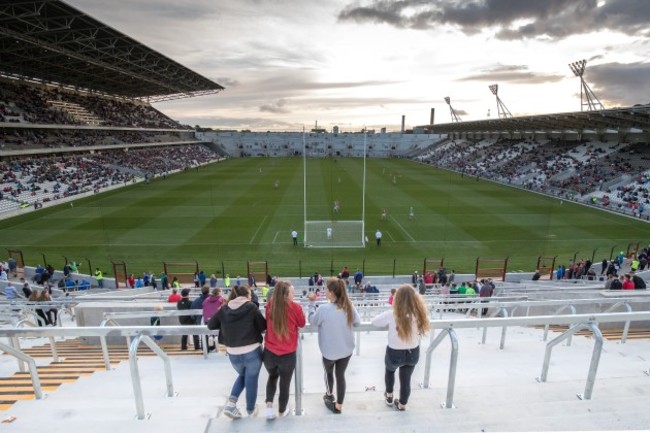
column 135, row 371
column 109, row 316
column 628, row 308
column 583, row 320
column 558, row 311
column 589, row 320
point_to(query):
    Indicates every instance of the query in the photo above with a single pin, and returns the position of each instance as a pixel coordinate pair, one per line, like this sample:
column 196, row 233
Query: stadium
column 95, row 177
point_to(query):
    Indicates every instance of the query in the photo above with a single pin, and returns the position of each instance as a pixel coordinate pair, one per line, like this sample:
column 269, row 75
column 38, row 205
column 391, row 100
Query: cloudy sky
column 286, row 64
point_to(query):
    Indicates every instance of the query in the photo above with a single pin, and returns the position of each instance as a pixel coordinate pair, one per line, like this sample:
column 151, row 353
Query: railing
column 109, row 319
column 139, row 333
column 447, row 328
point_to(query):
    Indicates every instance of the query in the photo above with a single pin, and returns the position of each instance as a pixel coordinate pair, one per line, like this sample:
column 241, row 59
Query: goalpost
column 333, row 233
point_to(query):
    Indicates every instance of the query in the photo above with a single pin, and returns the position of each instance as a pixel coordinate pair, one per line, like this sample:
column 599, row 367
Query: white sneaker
column 270, row 413
column 286, row 412
column 232, row 412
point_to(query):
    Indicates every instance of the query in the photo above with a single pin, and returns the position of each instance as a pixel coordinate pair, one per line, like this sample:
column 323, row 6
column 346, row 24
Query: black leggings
column 337, row 368
column 279, row 367
column 42, row 315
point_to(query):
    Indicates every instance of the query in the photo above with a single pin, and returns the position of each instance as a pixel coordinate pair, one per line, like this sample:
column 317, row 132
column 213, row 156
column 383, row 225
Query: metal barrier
column 139, row 334
column 447, row 327
column 580, row 321
column 109, row 319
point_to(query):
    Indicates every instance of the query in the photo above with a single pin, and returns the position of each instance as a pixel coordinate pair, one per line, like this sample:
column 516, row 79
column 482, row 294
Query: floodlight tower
column 587, row 96
column 501, row 107
column 454, row 116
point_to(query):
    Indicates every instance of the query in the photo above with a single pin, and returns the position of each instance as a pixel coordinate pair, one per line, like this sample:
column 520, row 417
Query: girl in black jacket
column 241, row 325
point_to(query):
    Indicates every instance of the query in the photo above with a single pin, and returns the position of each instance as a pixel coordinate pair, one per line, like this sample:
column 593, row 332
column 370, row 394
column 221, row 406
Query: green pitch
column 244, row 210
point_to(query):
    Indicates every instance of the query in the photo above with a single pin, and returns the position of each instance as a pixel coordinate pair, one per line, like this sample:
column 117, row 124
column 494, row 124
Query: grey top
column 335, row 338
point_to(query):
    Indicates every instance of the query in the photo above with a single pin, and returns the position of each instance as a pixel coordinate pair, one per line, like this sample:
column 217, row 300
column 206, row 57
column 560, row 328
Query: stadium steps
column 609, row 334
column 75, row 361
column 549, row 407
column 495, row 390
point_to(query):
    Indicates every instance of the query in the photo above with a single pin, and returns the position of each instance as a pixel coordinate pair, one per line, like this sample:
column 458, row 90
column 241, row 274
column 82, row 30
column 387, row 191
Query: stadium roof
column 622, row 121
column 50, row 41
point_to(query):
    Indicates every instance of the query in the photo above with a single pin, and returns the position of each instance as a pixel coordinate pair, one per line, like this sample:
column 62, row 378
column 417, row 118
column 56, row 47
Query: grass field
column 229, row 213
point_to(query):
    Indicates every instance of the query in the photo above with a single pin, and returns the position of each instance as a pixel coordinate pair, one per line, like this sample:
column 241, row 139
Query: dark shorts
column 396, row 358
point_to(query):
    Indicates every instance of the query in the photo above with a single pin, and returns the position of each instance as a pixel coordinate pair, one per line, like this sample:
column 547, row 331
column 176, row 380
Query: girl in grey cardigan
column 335, row 339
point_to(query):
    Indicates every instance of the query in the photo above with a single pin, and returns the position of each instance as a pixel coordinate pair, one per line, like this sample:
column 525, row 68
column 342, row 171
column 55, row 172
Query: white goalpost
column 333, row 233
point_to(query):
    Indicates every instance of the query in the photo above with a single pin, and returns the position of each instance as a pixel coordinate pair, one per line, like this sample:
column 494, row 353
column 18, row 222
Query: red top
column 174, row 297
column 628, row 284
column 296, row 319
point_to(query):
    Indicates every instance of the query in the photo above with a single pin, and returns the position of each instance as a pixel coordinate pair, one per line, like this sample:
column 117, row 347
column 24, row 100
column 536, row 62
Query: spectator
column 639, row 283
column 99, row 277
column 407, row 322
column 392, row 296
column 174, row 297
column 50, row 312
column 241, row 325
column 40, row 313
column 27, row 291
column 197, row 304
column 335, row 339
column 358, row 278
column 187, row 320
column 628, row 284
column 212, row 304
column 283, row 319
column 11, row 292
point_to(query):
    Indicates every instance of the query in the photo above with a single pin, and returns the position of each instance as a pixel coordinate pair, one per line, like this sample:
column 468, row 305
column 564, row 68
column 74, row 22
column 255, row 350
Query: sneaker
column 327, row 398
column 389, row 399
column 397, row 405
column 332, row 406
column 286, row 412
column 269, row 413
column 232, row 412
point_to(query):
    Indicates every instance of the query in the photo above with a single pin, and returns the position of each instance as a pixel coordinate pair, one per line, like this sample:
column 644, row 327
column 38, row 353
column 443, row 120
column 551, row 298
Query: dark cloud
column 517, row 74
column 512, row 19
column 278, row 107
column 620, row 84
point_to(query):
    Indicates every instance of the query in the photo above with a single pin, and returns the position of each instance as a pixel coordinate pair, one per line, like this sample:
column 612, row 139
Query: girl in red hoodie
column 283, row 318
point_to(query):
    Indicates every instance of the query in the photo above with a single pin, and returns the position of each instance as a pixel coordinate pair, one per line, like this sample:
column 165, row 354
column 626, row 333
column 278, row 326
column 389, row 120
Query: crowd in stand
column 33, row 138
column 22, row 103
column 28, row 180
column 565, row 169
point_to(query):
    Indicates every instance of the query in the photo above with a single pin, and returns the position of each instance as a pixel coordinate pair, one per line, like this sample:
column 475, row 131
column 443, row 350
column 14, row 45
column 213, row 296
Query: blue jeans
column 248, row 367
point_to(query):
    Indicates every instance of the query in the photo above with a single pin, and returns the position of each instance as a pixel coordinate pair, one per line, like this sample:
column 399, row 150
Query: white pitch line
column 391, row 236
column 258, row 229
column 403, row 229
column 275, row 237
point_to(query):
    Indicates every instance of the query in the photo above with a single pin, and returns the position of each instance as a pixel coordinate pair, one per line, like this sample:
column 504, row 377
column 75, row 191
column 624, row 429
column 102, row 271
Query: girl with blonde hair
column 283, row 319
column 407, row 322
column 335, row 339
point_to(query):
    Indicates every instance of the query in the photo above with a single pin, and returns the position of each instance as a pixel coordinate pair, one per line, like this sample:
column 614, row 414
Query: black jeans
column 336, row 368
column 195, row 340
column 405, row 361
column 279, row 367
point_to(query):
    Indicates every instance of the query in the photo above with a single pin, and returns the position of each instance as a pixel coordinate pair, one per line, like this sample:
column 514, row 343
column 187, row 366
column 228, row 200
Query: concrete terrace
column 495, row 390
